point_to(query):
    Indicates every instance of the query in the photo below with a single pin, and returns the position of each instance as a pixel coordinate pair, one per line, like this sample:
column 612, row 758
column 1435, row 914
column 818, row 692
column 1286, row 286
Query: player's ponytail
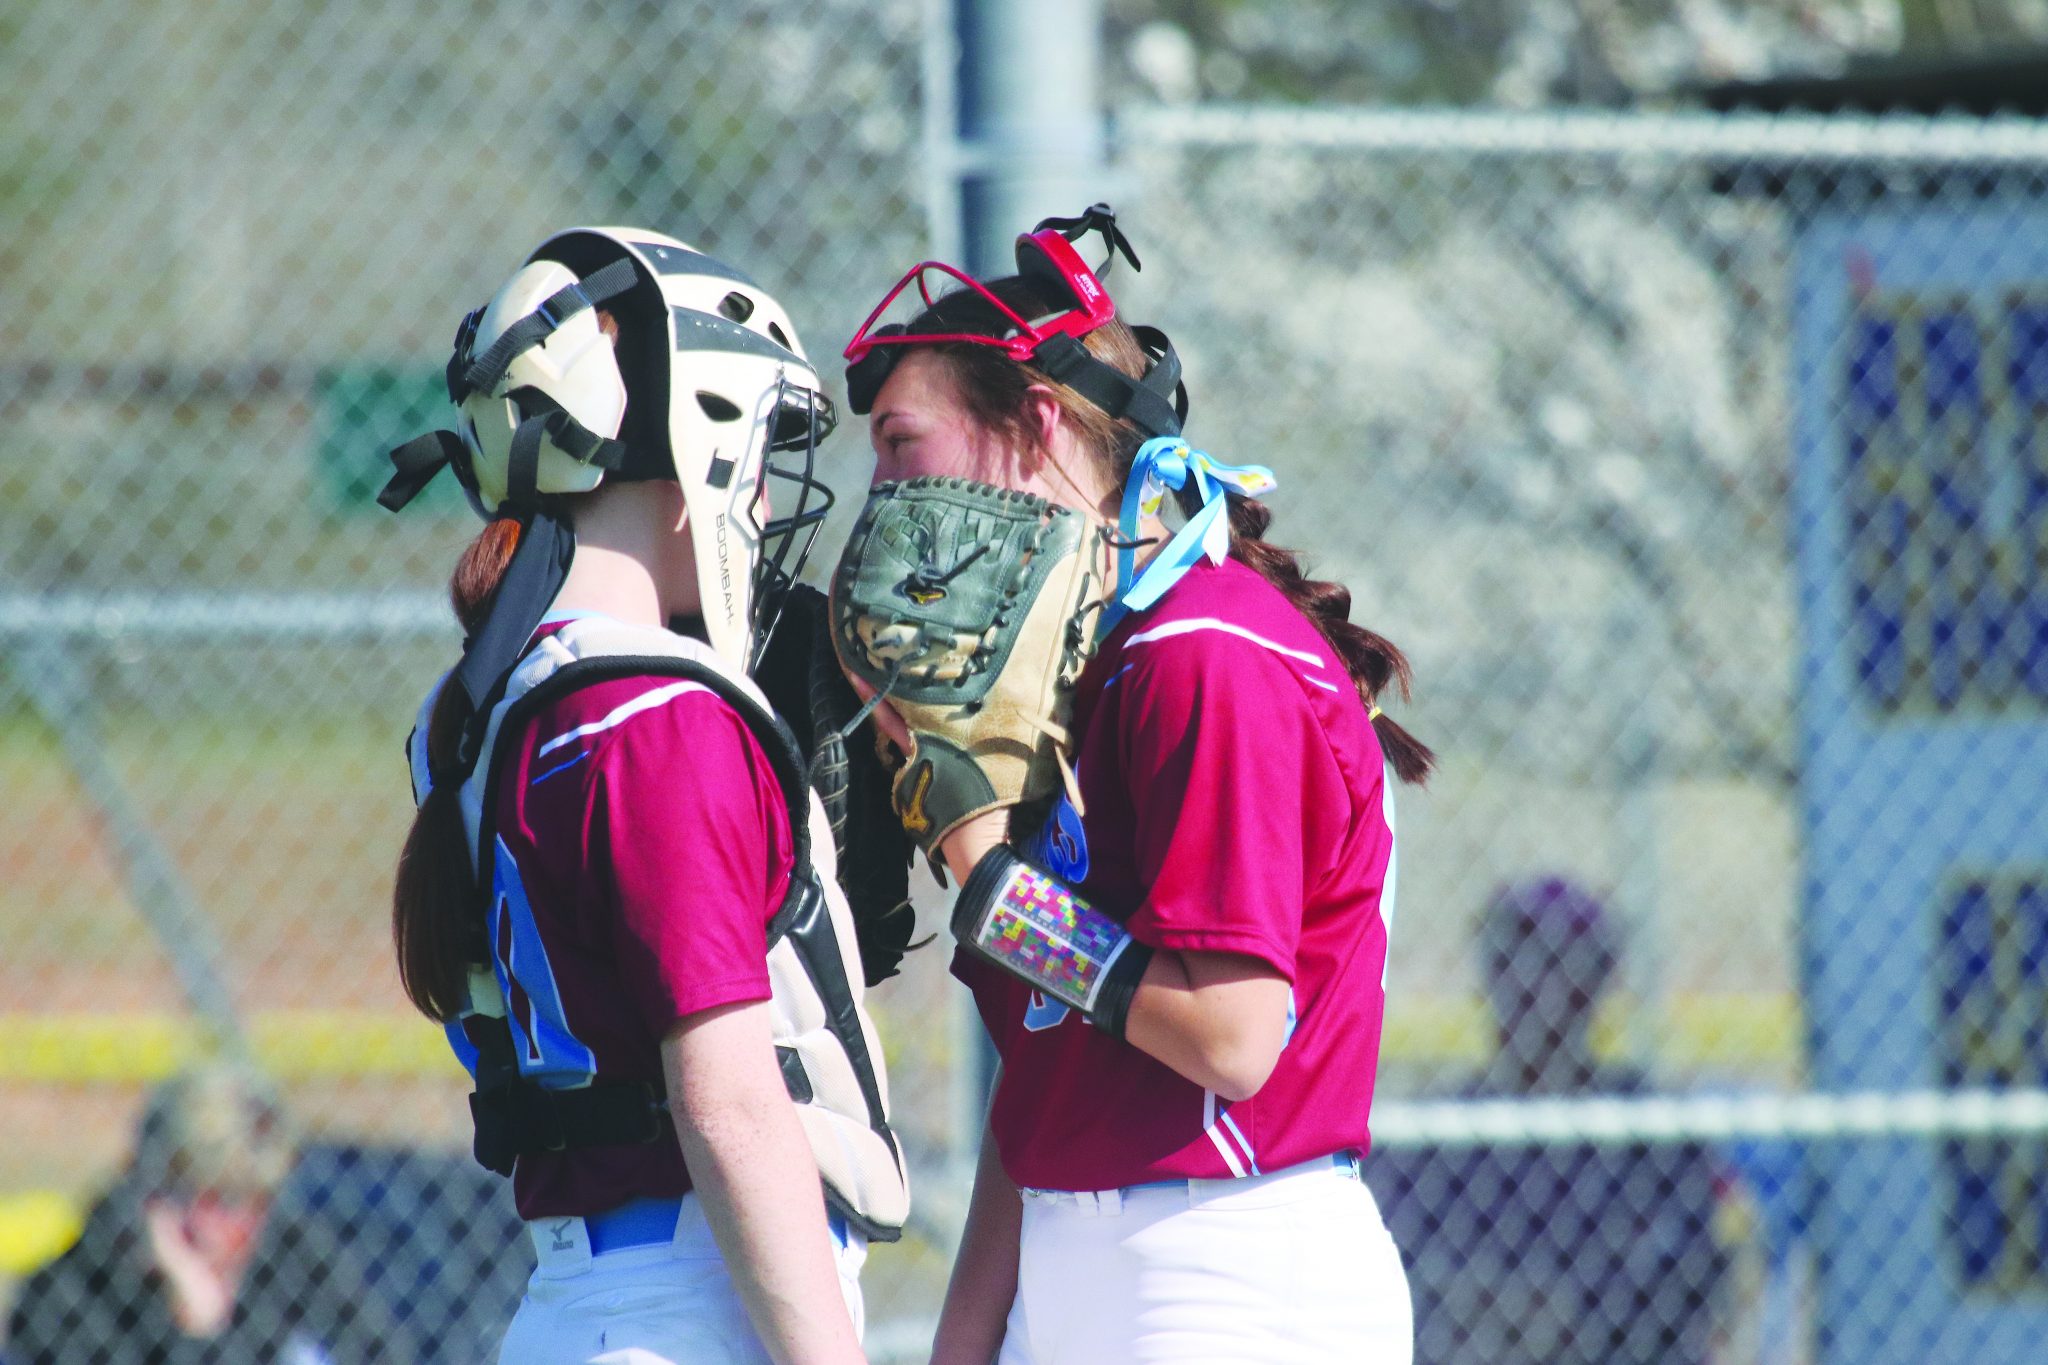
column 1372, row 659
column 434, row 910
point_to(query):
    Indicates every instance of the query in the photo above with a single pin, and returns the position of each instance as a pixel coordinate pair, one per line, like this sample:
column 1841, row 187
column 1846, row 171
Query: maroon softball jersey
column 643, row 846
column 1235, row 801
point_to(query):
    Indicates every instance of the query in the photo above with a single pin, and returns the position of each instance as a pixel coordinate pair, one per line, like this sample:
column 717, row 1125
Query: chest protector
column 831, row 1061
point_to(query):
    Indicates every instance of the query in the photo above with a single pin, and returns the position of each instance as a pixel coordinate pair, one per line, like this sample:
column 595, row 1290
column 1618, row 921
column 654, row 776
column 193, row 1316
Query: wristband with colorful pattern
column 1039, row 930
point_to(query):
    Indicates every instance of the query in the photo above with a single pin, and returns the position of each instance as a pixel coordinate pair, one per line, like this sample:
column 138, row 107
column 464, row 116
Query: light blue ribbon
column 1163, row 464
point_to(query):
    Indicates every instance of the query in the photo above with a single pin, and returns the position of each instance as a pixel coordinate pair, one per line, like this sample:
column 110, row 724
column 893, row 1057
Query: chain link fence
column 1696, row 463
column 238, row 240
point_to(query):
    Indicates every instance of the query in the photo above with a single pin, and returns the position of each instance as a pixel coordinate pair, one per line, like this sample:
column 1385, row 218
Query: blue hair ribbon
column 1163, row 464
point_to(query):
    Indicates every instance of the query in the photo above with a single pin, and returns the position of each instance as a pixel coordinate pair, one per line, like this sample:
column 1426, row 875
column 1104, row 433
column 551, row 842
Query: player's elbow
column 1234, row 1056
column 721, row 1070
column 1243, row 1012
column 1237, row 1068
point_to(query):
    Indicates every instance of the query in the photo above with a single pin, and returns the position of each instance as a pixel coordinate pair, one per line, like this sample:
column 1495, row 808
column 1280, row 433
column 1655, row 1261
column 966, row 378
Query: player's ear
column 1055, row 458
column 1044, row 416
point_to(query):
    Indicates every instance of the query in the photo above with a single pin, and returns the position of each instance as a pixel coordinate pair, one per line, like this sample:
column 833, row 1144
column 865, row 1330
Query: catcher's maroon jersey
column 1236, row 801
column 652, row 846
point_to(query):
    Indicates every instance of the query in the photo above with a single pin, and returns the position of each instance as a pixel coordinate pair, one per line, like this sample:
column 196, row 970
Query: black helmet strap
column 1156, row 404
column 482, row 373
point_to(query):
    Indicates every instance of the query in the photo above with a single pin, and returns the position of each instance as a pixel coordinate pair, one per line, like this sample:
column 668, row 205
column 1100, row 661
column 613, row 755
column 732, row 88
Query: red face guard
column 1045, row 256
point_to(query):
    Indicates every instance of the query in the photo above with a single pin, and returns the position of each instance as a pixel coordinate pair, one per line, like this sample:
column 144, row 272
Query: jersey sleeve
column 689, row 819
column 1223, row 754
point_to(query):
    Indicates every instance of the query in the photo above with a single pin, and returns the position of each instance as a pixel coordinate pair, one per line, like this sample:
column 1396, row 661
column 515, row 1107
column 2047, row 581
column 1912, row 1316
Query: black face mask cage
column 799, row 419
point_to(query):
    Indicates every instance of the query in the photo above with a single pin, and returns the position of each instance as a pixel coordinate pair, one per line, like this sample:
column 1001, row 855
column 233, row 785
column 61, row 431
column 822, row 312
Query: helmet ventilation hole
column 736, row 306
column 781, row 337
column 716, row 408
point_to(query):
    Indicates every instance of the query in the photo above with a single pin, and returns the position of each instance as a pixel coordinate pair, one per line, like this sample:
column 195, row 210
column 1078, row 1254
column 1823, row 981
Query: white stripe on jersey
column 1230, row 1157
column 622, row 713
column 1238, row 1133
column 1195, row 623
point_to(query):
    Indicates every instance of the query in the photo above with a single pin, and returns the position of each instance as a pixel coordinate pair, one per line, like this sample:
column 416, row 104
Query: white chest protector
column 830, row 1058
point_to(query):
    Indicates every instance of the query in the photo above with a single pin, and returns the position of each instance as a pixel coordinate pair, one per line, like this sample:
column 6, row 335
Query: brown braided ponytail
column 1372, row 659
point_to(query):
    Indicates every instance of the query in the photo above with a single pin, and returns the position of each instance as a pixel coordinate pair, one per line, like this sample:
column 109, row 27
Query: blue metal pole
column 1029, row 145
column 1030, row 119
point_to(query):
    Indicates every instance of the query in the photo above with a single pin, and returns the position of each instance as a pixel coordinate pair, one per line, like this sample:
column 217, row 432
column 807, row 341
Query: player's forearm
column 1218, row 1019
column 753, row 1171
column 968, row 844
column 984, row 1270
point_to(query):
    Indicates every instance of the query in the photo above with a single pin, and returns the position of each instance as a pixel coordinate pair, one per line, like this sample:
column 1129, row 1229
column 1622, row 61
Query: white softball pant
column 1289, row 1268
column 636, row 1300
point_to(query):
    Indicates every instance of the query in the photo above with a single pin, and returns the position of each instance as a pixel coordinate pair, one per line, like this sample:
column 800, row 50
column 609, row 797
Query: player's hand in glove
column 967, row 841
column 970, row 609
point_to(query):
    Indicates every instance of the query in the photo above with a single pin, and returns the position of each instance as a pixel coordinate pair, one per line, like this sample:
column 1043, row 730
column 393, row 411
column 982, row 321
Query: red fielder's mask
column 1052, row 269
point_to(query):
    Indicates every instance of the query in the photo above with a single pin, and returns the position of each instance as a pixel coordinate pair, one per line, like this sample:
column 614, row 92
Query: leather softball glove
column 970, row 608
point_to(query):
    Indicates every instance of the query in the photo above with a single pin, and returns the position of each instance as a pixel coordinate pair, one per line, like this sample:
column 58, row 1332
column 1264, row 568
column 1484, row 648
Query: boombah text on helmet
column 705, row 384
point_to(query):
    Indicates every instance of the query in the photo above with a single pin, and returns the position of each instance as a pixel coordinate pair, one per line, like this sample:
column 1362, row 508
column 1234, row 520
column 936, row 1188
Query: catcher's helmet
column 705, row 383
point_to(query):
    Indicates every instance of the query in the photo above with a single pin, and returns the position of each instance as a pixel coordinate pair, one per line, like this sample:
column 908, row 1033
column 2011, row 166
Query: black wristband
column 1119, row 989
column 1110, row 1005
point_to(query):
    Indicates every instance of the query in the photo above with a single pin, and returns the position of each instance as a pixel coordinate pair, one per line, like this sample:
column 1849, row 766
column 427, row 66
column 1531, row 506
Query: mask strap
column 1095, row 218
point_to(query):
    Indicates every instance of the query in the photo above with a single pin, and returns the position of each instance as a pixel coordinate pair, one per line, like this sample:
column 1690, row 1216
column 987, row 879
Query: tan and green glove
column 971, row 609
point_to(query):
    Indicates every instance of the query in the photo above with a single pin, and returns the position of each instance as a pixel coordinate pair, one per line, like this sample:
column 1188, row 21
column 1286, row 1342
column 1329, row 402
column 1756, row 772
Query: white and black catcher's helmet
column 706, row 385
